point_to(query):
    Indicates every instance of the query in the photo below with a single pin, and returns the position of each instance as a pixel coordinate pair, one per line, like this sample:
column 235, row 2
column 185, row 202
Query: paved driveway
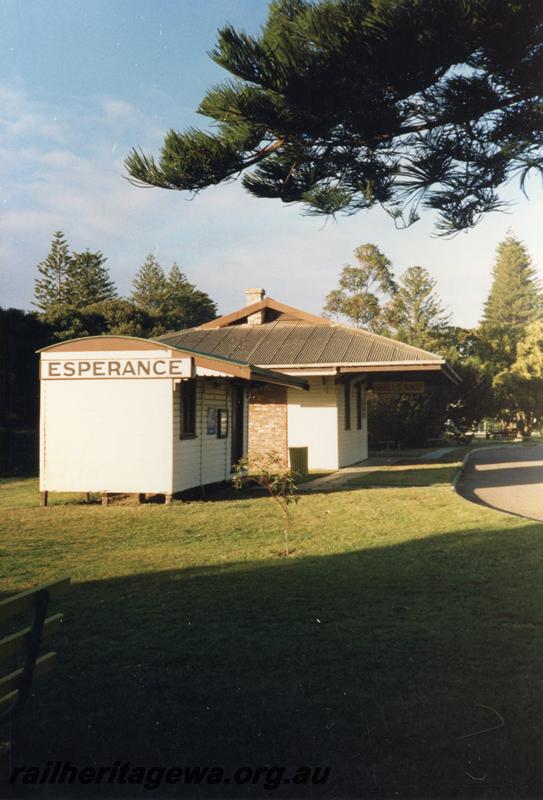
column 507, row 478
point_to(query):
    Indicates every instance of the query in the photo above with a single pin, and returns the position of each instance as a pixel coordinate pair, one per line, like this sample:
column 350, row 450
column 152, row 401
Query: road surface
column 508, row 478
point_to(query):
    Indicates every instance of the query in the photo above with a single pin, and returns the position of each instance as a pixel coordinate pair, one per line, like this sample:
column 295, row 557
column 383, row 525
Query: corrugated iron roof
column 298, row 343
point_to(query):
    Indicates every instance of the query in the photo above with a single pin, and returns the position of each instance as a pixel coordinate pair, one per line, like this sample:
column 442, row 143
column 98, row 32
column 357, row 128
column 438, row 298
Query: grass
column 405, row 615
column 397, row 452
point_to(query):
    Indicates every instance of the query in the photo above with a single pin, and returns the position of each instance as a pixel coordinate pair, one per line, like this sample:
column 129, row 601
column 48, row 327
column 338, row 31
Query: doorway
column 238, row 400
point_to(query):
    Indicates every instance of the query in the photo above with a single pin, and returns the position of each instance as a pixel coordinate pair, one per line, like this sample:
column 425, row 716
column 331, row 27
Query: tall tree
column 50, row 286
column 171, row 301
column 364, row 290
column 186, row 306
column 344, row 104
column 150, row 286
column 416, row 312
column 515, row 300
column 515, row 297
column 521, row 387
column 88, row 279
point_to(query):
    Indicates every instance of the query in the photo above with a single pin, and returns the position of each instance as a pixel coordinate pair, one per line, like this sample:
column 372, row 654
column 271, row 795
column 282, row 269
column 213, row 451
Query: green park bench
column 24, row 645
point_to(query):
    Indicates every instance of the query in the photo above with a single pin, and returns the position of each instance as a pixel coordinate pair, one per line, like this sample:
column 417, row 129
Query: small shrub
column 268, row 470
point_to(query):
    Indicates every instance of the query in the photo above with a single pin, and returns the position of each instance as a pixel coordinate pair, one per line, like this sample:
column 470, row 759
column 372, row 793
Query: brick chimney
column 254, row 296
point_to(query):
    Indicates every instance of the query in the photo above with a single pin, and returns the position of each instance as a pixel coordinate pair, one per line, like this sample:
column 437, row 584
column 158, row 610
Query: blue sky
column 82, row 82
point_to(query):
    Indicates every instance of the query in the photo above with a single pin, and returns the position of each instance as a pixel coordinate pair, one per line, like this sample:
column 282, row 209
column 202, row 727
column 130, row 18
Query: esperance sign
column 94, row 368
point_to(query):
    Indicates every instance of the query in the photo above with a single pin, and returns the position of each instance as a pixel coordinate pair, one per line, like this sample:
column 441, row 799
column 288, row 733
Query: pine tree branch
column 266, row 151
column 431, row 126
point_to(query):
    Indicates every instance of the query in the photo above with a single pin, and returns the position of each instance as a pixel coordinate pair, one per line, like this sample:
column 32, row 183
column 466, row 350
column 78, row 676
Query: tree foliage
column 186, row 306
column 528, row 364
column 520, row 387
column 77, row 297
column 171, row 300
column 344, row 104
column 50, row 285
column 364, row 290
column 120, row 317
column 269, row 472
column 512, row 317
column 71, row 279
column 21, row 334
column 88, row 279
column 415, row 311
column 474, row 398
column 115, row 316
column 150, row 286
column 514, row 301
column 409, row 420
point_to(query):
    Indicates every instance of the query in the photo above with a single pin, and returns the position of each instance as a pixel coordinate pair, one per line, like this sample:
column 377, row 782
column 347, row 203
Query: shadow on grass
column 373, row 662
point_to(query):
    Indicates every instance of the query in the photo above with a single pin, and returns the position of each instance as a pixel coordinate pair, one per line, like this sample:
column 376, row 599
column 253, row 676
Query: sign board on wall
column 211, row 427
column 398, row 387
column 116, row 368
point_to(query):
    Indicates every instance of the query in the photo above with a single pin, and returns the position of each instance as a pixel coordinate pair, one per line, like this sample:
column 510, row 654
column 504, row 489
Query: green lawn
column 404, row 611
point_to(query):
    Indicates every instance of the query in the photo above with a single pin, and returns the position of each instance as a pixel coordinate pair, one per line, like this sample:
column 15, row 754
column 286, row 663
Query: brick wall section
column 268, row 420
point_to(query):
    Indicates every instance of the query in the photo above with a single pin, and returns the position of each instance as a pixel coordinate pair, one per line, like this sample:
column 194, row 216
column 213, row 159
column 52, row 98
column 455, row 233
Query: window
column 347, row 403
column 359, row 406
column 188, row 409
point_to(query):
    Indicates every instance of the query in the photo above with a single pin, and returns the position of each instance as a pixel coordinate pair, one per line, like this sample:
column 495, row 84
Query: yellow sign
column 398, row 387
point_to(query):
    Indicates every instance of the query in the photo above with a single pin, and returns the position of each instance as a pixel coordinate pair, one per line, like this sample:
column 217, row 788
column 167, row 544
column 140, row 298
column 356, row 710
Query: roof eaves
column 225, row 359
column 269, row 376
column 413, row 362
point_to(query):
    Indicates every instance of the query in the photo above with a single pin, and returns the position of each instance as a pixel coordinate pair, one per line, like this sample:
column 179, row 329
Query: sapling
column 268, row 471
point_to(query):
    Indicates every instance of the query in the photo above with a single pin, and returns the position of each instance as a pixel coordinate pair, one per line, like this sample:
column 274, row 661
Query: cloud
column 119, row 109
column 22, row 117
column 62, row 169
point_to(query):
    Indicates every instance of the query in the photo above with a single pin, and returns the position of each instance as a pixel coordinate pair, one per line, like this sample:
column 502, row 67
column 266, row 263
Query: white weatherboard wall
column 205, row 458
column 313, row 422
column 316, row 420
column 353, row 443
column 106, row 435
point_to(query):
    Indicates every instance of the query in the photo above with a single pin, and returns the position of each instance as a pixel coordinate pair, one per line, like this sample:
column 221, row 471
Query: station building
column 137, row 416
column 340, row 364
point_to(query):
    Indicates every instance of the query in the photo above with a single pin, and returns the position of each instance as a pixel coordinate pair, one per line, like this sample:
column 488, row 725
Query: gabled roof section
column 273, row 310
column 289, row 338
column 300, row 343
